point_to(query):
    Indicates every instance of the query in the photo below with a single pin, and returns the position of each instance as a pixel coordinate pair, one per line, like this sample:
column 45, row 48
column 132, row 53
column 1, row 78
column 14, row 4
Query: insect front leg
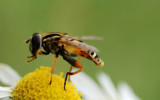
column 74, row 63
column 33, row 57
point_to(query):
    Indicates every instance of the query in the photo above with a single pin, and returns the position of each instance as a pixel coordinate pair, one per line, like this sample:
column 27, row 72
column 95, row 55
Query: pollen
column 35, row 86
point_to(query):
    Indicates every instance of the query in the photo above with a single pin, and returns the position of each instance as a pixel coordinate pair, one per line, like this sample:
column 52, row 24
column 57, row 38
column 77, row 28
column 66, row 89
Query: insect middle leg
column 53, row 66
column 54, row 62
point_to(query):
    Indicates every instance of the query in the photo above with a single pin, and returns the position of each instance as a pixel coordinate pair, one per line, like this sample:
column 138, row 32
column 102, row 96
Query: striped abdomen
column 95, row 58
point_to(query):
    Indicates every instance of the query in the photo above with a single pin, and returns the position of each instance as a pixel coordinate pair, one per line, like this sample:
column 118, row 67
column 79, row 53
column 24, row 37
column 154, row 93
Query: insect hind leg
column 72, row 67
column 74, row 63
column 70, row 72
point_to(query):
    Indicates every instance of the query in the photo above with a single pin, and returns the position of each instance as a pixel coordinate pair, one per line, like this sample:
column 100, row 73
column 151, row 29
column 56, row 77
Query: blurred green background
column 131, row 31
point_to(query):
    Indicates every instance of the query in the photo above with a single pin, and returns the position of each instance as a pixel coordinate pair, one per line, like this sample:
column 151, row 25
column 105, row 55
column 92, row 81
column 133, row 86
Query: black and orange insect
column 62, row 44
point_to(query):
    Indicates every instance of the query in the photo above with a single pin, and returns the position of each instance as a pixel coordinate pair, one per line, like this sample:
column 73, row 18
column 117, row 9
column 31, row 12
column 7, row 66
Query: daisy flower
column 35, row 86
column 86, row 85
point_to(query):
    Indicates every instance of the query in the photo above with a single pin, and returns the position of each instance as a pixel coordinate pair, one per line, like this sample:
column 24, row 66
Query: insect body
column 62, row 44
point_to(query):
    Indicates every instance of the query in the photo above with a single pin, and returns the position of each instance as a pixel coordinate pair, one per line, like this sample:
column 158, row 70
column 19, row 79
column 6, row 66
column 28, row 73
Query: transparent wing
column 87, row 37
column 78, row 44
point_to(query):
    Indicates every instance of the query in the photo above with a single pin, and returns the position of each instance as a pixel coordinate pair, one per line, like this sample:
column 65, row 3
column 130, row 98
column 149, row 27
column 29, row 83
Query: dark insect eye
column 35, row 42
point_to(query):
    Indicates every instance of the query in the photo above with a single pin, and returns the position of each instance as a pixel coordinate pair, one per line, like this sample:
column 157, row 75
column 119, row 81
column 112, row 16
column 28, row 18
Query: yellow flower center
column 35, row 86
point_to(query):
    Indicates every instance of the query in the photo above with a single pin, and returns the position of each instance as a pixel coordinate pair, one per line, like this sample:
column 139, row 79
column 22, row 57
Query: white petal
column 126, row 92
column 108, row 86
column 6, row 98
column 90, row 90
column 6, row 89
column 8, row 75
column 5, row 92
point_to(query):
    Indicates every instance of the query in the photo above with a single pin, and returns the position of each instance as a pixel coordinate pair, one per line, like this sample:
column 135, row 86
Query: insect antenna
column 28, row 40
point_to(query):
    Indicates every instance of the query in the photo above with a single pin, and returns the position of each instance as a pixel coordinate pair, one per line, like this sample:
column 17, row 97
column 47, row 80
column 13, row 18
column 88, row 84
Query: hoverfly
column 62, row 44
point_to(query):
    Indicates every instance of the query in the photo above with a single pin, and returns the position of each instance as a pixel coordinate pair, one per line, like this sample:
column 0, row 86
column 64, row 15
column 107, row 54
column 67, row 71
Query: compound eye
column 35, row 43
